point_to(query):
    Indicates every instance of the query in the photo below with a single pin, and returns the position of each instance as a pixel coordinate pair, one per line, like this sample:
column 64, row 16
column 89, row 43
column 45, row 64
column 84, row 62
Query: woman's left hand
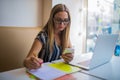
column 67, row 57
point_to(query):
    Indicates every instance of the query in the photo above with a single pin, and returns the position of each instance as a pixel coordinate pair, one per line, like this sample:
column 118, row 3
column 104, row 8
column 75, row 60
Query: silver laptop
column 103, row 51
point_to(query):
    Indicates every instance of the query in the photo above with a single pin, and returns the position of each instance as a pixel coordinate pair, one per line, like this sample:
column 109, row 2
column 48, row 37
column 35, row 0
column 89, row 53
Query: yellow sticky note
column 64, row 67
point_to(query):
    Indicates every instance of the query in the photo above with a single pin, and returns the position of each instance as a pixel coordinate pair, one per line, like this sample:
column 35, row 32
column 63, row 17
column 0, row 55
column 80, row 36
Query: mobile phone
column 68, row 50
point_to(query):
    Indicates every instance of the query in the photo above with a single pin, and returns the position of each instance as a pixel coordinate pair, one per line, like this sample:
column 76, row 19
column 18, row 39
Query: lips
column 61, row 28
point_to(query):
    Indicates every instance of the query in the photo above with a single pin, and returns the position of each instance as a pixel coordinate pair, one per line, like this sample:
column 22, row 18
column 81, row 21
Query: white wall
column 21, row 13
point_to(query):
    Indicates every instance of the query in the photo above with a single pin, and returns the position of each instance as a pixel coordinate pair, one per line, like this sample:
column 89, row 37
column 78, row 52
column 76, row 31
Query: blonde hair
column 49, row 27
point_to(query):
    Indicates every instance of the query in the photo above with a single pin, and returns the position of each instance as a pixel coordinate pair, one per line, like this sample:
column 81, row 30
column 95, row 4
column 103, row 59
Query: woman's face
column 61, row 20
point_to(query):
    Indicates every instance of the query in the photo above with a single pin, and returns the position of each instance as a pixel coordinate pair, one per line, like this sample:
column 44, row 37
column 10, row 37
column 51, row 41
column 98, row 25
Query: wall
column 15, row 44
column 21, row 13
column 47, row 6
column 20, row 21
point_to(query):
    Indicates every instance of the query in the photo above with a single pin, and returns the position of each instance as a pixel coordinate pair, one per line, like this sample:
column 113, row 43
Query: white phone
column 68, row 50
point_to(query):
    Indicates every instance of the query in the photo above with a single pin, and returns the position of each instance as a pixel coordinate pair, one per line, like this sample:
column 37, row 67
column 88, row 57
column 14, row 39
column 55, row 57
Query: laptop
column 103, row 51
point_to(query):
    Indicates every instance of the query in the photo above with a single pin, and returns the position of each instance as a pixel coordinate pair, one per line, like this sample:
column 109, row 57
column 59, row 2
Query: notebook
column 46, row 73
column 103, row 51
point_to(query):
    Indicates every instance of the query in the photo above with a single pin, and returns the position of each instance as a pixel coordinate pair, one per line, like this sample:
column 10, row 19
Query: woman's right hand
column 33, row 62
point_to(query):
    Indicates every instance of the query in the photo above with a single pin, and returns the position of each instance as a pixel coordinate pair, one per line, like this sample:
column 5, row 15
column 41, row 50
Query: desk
column 108, row 71
column 17, row 74
column 20, row 74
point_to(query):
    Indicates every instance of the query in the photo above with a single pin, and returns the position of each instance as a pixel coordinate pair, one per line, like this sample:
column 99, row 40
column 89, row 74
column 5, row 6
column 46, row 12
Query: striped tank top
column 45, row 51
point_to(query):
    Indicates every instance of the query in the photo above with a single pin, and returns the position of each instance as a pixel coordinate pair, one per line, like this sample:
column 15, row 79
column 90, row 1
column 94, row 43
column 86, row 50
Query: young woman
column 51, row 40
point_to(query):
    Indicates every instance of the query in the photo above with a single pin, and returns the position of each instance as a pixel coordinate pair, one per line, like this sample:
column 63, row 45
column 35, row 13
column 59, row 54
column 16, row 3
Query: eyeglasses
column 60, row 21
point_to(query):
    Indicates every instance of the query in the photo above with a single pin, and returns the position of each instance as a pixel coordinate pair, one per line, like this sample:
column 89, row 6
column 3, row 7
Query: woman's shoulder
column 42, row 33
column 42, row 36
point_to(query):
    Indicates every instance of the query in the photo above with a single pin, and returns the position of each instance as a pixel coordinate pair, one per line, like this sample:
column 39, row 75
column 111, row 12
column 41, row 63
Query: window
column 103, row 18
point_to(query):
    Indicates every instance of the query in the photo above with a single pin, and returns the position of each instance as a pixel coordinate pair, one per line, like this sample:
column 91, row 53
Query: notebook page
column 47, row 73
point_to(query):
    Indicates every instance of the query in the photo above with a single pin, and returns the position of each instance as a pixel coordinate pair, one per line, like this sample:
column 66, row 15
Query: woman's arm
column 32, row 61
column 36, row 47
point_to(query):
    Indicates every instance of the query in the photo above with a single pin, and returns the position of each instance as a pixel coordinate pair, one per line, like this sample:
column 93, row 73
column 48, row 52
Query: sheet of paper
column 64, row 67
column 47, row 73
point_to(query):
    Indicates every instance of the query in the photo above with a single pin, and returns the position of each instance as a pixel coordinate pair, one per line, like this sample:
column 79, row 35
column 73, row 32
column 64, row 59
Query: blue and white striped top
column 45, row 51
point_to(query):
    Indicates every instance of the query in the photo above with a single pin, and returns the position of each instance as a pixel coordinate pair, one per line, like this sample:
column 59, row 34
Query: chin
column 61, row 29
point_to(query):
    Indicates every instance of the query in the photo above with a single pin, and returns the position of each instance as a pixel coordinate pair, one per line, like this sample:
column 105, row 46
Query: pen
column 40, row 61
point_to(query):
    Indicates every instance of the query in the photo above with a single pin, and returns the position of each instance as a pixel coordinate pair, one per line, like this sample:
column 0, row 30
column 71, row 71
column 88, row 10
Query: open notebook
column 46, row 73
column 103, row 51
column 51, row 71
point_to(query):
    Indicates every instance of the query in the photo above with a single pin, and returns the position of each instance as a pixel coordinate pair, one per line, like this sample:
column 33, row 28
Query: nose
column 61, row 23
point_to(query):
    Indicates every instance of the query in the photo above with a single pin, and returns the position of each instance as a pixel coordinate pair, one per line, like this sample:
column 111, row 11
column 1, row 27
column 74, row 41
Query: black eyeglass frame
column 60, row 21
